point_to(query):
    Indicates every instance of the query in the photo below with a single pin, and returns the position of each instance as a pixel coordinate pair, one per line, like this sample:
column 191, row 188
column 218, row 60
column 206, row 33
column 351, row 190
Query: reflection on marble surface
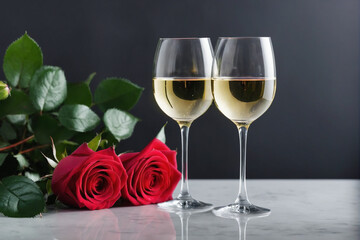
column 242, row 220
column 301, row 209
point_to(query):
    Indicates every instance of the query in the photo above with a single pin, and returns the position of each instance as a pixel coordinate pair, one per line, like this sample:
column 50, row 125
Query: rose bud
column 89, row 179
column 4, row 90
column 152, row 174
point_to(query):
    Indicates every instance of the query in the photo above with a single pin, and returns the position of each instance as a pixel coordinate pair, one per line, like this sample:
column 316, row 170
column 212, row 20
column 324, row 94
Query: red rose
column 89, row 179
column 152, row 174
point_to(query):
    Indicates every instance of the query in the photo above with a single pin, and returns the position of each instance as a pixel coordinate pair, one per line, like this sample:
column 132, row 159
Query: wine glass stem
column 184, row 192
column 242, row 198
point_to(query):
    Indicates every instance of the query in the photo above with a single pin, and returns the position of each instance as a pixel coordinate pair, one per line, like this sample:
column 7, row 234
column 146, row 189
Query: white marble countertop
column 301, row 209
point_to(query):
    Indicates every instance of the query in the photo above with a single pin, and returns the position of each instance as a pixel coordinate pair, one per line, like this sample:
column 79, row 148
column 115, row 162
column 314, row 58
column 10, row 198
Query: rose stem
column 16, row 144
column 33, row 148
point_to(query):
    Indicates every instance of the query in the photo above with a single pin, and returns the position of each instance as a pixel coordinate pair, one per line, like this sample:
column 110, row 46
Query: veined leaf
column 78, row 117
column 121, row 124
column 78, row 93
column 48, row 88
column 117, row 93
column 20, row 197
column 22, row 58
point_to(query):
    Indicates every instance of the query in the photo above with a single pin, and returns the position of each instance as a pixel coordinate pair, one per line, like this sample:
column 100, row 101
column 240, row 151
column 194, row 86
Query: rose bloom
column 152, row 174
column 89, row 179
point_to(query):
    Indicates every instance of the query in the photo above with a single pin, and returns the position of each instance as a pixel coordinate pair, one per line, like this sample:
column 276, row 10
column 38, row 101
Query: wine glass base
column 235, row 210
column 185, row 205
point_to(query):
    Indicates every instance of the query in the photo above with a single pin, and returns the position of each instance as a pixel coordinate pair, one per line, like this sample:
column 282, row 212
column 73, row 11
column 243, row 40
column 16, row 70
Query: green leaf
column 83, row 137
column 33, row 176
column 78, row 93
column 90, row 78
column 110, row 140
column 78, row 117
column 121, row 124
column 3, row 157
column 48, row 88
column 62, row 133
column 71, row 143
column 7, row 132
column 17, row 103
column 161, row 135
column 22, row 58
column 17, row 119
column 20, row 197
column 44, row 127
column 95, row 142
column 117, row 93
column 23, row 163
column 103, row 143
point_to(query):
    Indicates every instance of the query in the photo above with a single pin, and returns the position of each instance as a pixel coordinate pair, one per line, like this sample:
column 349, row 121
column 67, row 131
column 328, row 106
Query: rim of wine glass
column 241, row 37
column 187, row 38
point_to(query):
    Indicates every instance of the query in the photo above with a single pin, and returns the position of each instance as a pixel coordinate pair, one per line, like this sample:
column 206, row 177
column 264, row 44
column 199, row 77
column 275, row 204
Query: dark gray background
column 310, row 131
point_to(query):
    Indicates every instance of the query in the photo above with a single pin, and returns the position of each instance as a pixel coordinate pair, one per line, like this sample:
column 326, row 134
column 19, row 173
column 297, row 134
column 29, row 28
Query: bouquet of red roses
column 96, row 180
column 41, row 113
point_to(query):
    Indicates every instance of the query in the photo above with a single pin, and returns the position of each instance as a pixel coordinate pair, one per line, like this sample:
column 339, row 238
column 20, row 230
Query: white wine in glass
column 243, row 86
column 243, row 100
column 183, row 99
column 182, row 89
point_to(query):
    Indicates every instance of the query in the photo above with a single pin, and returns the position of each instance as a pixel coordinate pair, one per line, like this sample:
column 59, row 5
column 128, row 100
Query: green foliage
column 120, row 123
column 46, row 127
column 17, row 119
column 20, row 197
column 90, row 78
column 18, row 103
column 7, row 132
column 48, row 88
column 44, row 115
column 117, row 93
column 22, row 58
column 78, row 93
column 23, row 163
column 79, row 118
column 95, row 142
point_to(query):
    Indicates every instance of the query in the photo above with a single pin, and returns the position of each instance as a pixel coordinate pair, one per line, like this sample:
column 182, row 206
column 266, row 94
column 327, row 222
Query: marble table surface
column 301, row 209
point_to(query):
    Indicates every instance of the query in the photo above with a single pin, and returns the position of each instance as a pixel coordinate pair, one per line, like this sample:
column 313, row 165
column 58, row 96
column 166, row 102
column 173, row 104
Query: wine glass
column 243, row 85
column 182, row 89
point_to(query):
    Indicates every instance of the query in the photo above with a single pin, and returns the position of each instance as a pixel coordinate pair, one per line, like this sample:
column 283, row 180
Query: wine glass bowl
column 182, row 89
column 243, row 86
